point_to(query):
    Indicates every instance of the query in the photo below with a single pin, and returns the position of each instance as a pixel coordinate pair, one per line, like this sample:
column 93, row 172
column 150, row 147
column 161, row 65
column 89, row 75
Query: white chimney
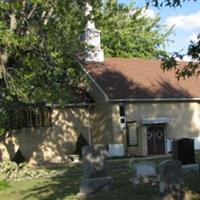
column 92, row 38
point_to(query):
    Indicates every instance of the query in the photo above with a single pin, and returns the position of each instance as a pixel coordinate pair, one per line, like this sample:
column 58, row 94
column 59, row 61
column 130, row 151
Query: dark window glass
column 31, row 117
column 121, row 110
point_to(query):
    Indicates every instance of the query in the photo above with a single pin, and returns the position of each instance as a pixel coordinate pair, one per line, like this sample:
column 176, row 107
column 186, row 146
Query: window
column 132, row 133
column 17, row 119
column 121, row 110
column 30, row 117
column 122, row 116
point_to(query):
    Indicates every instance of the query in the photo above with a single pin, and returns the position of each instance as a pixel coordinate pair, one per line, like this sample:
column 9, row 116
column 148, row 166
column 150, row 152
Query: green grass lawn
column 65, row 187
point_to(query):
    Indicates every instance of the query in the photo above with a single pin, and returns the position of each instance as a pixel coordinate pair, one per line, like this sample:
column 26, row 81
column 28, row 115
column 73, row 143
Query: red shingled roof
column 131, row 78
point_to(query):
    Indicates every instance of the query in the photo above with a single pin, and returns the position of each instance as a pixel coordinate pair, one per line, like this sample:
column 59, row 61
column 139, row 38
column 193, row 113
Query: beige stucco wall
column 101, row 117
column 50, row 144
column 119, row 136
column 101, row 124
column 184, row 118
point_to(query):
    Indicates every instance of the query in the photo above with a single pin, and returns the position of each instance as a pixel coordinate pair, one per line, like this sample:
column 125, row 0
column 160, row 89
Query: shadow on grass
column 66, row 186
column 62, row 186
column 124, row 190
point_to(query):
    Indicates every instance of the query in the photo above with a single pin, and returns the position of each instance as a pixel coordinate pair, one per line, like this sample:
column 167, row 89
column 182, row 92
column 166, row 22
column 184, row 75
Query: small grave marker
column 144, row 173
column 145, row 169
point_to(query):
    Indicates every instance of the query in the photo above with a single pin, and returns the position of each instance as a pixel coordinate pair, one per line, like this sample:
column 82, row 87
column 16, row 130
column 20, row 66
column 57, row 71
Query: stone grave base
column 144, row 179
column 191, row 168
column 89, row 186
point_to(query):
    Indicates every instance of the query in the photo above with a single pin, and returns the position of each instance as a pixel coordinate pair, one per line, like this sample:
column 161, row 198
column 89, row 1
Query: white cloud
column 150, row 13
column 186, row 58
column 184, row 21
column 145, row 13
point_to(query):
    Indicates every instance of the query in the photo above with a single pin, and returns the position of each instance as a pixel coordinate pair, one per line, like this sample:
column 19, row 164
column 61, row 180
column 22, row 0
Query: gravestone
column 144, row 172
column 183, row 150
column 171, row 181
column 145, row 169
column 190, row 168
column 94, row 161
column 95, row 178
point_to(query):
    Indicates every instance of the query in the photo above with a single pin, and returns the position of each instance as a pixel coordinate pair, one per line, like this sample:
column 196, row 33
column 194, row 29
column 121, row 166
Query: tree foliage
column 38, row 41
column 191, row 68
column 169, row 3
column 127, row 32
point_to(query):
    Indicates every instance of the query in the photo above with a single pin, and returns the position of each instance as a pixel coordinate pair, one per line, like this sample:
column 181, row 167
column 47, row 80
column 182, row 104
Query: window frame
column 29, row 117
column 128, row 134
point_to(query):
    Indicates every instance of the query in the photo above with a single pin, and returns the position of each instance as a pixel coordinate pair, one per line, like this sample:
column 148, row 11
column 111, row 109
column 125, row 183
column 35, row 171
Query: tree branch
column 32, row 11
column 49, row 14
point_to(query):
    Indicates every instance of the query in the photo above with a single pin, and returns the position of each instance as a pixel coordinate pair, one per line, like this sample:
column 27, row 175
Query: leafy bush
column 11, row 171
column 19, row 158
column 81, row 142
column 3, row 184
column 3, row 117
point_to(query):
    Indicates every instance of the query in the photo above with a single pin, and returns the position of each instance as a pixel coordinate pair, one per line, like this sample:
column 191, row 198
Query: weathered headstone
column 171, row 180
column 94, row 177
column 94, row 161
column 144, row 172
column 145, row 169
column 190, row 168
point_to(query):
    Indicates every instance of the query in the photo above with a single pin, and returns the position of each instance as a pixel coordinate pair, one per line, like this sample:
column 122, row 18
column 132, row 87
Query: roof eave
column 54, row 105
column 154, row 100
column 93, row 80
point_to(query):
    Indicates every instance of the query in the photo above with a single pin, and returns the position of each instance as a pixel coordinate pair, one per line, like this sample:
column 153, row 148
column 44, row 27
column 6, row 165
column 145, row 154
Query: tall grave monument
column 95, row 178
column 183, row 150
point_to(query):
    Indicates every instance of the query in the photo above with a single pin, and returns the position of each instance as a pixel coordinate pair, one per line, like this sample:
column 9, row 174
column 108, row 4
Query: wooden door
column 156, row 139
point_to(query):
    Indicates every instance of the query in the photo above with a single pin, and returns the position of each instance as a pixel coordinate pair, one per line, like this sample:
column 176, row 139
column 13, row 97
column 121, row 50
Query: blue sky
column 186, row 20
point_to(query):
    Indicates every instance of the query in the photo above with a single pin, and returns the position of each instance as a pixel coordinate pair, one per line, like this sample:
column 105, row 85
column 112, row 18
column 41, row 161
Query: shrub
column 3, row 185
column 11, row 171
column 81, row 142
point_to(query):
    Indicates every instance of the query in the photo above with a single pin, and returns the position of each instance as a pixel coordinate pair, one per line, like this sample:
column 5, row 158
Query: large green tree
column 127, row 32
column 38, row 41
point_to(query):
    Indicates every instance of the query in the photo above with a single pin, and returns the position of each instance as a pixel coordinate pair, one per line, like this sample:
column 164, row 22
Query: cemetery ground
column 64, row 184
